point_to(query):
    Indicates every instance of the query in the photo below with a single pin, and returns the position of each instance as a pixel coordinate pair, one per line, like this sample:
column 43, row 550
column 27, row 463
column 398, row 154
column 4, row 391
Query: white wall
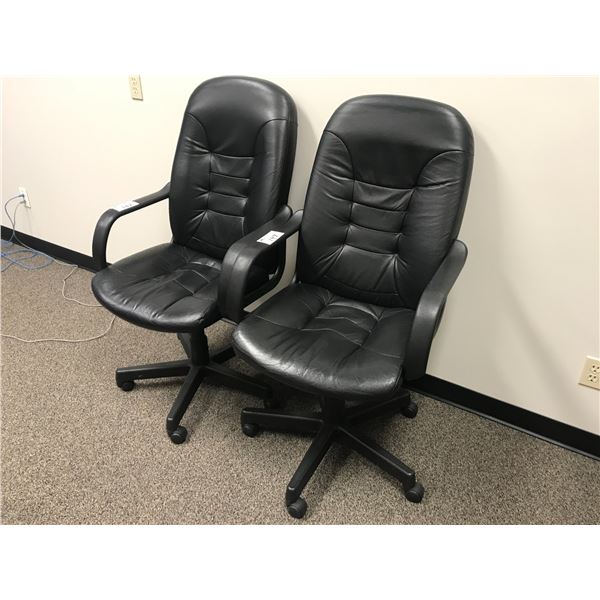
column 525, row 311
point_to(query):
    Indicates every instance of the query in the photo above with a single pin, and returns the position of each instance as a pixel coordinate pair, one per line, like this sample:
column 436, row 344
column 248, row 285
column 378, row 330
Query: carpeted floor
column 76, row 449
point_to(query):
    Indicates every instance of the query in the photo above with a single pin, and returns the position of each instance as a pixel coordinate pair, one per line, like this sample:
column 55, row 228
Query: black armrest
column 430, row 309
column 111, row 215
column 241, row 255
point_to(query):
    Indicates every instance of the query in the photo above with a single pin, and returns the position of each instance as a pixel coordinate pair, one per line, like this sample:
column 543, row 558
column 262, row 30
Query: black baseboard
column 64, row 254
column 529, row 422
column 564, row 435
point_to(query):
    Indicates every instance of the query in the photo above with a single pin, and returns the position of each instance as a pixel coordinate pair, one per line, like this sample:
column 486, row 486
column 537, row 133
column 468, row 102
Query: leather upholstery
column 233, row 162
column 313, row 339
column 168, row 288
column 386, row 198
column 231, row 173
column 383, row 207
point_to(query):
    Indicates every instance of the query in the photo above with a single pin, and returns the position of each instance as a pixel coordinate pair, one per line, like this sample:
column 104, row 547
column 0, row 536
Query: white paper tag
column 125, row 205
column 270, row 237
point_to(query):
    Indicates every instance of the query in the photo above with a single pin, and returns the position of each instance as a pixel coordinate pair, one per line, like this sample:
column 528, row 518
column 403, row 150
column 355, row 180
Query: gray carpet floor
column 76, row 449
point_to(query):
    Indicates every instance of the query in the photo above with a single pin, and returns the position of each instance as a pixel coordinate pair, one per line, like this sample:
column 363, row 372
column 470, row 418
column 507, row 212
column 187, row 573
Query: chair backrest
column 386, row 198
column 233, row 162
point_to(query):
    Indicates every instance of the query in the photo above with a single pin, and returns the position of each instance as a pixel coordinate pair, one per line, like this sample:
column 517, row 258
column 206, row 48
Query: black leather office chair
column 231, row 174
column 377, row 256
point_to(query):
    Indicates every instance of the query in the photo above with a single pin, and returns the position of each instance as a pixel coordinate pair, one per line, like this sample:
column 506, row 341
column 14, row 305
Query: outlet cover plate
column 590, row 375
column 25, row 195
column 135, row 87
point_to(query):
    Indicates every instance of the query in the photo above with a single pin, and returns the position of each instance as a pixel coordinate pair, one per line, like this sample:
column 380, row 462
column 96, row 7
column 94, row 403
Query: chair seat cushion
column 322, row 343
column 167, row 288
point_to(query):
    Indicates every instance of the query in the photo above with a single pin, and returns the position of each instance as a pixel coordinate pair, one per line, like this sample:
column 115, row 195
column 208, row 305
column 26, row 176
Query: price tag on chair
column 270, row 237
column 125, row 205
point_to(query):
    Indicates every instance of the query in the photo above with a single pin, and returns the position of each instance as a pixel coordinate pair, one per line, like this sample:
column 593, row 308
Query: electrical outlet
column 23, row 193
column 590, row 375
column 135, row 87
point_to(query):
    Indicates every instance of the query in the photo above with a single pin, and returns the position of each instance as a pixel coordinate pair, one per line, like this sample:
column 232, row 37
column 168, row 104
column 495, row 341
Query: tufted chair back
column 385, row 199
column 233, row 162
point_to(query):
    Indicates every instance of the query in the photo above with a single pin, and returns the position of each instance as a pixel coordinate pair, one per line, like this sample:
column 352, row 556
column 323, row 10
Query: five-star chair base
column 195, row 368
column 339, row 424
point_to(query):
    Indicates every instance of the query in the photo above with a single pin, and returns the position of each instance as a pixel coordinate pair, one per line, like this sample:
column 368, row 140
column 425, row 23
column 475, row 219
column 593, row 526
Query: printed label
column 270, row 237
column 125, row 205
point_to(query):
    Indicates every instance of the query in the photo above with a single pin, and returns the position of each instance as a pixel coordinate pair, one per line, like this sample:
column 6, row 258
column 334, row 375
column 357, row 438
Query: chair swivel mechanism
column 377, row 255
column 231, row 174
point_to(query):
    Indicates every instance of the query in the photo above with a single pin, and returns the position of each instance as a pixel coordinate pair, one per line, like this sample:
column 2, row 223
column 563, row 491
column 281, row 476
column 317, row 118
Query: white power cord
column 13, row 222
column 95, row 337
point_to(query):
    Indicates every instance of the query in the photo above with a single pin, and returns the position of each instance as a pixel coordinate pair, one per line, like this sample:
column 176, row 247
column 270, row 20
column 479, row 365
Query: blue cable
column 6, row 254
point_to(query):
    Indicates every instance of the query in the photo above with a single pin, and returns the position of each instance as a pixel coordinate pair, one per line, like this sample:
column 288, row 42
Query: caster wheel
column 127, row 386
column 250, row 429
column 179, row 435
column 410, row 411
column 297, row 509
column 415, row 493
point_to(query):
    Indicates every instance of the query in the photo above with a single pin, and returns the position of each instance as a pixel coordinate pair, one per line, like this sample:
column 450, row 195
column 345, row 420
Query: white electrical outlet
column 23, row 193
column 590, row 375
column 135, row 87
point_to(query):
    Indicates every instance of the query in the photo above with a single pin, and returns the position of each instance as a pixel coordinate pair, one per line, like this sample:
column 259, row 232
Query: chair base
column 195, row 368
column 335, row 423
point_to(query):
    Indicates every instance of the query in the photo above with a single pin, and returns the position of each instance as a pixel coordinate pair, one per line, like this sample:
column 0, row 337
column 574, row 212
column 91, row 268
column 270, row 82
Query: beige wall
column 525, row 311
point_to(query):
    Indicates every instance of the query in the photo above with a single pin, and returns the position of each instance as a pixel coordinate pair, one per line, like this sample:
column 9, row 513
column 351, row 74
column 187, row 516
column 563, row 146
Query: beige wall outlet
column 135, row 86
column 590, row 375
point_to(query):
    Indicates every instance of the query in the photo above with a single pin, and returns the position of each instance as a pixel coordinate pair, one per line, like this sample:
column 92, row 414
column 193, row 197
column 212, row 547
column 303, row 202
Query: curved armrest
column 111, row 215
column 430, row 309
column 242, row 254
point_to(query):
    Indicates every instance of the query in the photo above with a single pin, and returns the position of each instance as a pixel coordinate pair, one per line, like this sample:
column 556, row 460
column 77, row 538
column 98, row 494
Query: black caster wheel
column 127, row 386
column 415, row 493
column 179, row 435
column 297, row 509
column 250, row 429
column 410, row 410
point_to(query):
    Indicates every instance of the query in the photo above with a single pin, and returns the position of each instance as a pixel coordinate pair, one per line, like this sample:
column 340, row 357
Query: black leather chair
column 231, row 174
column 377, row 256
